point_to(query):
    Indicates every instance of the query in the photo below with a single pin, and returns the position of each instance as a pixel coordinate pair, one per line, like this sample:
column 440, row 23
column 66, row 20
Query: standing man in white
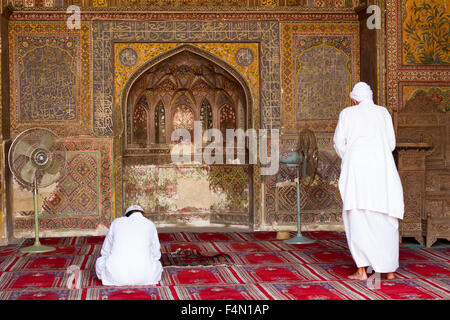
column 369, row 184
column 131, row 251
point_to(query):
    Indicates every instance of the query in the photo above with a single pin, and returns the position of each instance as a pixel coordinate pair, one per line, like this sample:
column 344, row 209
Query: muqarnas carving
column 178, row 91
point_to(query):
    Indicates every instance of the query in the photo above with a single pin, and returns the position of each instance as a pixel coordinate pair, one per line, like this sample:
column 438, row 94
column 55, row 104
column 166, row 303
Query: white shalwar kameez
column 369, row 183
column 130, row 253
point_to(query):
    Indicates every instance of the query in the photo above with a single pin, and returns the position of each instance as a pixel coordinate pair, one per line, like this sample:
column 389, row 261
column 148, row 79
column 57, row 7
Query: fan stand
column 299, row 238
column 37, row 247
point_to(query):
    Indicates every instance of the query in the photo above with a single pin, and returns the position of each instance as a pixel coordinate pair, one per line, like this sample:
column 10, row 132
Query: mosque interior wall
column 116, row 88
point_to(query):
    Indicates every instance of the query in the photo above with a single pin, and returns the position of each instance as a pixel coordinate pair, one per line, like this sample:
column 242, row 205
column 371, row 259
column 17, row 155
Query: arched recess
column 140, row 121
column 171, row 102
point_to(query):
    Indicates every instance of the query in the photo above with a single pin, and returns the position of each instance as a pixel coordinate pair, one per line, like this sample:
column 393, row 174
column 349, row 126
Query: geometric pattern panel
column 76, row 193
column 322, row 66
column 180, row 4
column 320, row 204
column 82, row 199
column 50, row 82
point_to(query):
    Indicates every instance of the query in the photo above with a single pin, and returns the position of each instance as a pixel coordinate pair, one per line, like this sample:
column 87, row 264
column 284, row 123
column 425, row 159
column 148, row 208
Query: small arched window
column 160, row 123
column 140, row 116
column 206, row 115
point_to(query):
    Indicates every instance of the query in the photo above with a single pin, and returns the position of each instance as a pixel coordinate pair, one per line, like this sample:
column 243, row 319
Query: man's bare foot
column 390, row 276
column 360, row 275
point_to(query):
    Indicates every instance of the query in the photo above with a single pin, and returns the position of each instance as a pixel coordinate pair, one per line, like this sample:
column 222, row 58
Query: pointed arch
column 202, row 53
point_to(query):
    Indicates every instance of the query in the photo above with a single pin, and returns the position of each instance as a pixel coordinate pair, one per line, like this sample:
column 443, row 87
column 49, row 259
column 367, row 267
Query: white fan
column 36, row 164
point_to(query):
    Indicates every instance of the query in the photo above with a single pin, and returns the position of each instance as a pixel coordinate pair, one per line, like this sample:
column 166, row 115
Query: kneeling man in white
column 131, row 251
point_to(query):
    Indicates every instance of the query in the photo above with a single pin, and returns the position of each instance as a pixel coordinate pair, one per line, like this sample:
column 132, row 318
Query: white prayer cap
column 361, row 92
column 134, row 207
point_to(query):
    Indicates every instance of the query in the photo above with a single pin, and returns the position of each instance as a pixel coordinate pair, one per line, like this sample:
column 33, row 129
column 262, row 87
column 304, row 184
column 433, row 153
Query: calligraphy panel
column 47, row 78
column 51, row 78
column 323, row 76
column 320, row 64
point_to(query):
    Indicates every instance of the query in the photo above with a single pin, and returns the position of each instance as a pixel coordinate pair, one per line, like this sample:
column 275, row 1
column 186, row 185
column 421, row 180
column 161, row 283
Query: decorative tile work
column 83, row 200
column 211, row 4
column 100, row 3
column 55, row 94
column 320, row 202
column 266, row 34
column 269, row 3
column 104, row 33
column 184, row 3
column 328, row 51
column 189, row 194
column 322, row 75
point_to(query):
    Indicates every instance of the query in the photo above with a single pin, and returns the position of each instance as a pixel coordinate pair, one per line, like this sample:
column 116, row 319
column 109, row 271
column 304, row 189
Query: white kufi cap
column 134, row 207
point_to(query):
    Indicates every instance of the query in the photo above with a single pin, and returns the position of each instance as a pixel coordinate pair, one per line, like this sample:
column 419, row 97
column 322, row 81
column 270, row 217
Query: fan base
column 299, row 239
column 37, row 248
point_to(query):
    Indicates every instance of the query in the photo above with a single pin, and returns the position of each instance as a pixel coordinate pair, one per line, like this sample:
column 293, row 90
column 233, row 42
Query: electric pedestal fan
column 305, row 159
column 35, row 164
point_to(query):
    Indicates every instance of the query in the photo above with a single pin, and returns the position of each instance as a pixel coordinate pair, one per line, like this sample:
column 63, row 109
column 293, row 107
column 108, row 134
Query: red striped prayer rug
column 226, row 266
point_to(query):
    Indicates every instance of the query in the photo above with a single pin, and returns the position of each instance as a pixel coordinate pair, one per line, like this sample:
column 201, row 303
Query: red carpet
column 237, row 266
